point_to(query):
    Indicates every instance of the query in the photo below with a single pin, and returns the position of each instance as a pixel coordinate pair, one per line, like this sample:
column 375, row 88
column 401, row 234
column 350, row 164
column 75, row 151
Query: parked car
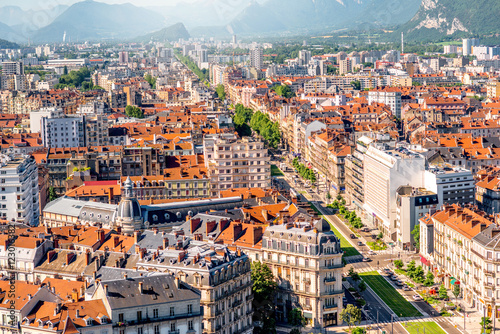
column 366, row 259
column 372, row 253
column 365, row 229
column 406, row 288
column 387, row 271
column 394, row 277
column 417, row 297
column 399, row 282
column 360, row 243
column 353, row 236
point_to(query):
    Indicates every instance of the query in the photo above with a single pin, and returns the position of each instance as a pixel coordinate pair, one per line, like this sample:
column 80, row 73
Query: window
column 120, row 317
column 172, row 327
column 172, row 311
column 139, row 330
column 155, row 313
column 190, row 325
column 139, row 315
column 157, row 329
column 190, row 309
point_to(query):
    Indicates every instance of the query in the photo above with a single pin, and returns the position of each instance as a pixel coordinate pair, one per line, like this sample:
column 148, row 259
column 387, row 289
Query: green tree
column 283, row 91
column 418, row 275
column 429, row 279
column 362, row 286
column 356, row 84
column 442, row 292
column 264, row 285
column 456, row 291
column 398, row 264
column 296, row 319
column 221, row 92
column 65, row 71
column 354, row 275
column 416, row 235
column 133, row 111
column 151, row 80
column 410, row 268
column 358, row 330
column 486, row 324
column 351, row 315
column 52, row 194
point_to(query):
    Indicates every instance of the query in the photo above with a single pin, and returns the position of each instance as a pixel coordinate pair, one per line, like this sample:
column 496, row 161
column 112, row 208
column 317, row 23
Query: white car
column 417, row 297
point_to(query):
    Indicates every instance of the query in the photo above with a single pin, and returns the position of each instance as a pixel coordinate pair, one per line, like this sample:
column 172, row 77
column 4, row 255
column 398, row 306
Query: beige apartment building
column 236, row 163
column 306, row 259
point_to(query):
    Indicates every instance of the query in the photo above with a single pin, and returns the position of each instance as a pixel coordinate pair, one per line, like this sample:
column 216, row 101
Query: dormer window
column 179, row 215
column 155, row 218
column 167, row 216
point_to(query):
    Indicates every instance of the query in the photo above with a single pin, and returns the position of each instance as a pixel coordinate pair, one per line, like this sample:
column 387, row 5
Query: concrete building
column 19, row 189
column 389, row 96
column 157, row 304
column 345, row 66
column 468, row 44
column 256, row 57
column 354, row 174
column 412, row 204
column 62, row 131
column 236, row 163
column 385, row 170
column 306, row 259
column 36, row 117
column 452, row 184
column 12, row 68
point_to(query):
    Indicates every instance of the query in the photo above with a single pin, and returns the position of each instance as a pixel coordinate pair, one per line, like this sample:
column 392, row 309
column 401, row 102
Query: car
column 417, row 297
column 360, row 243
column 365, row 229
column 372, row 253
column 387, row 271
column 353, row 236
column 373, row 236
column 399, row 282
column 366, row 259
column 406, row 288
column 394, row 277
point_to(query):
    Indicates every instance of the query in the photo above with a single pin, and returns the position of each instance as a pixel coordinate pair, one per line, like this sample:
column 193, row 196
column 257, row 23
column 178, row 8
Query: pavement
column 376, row 314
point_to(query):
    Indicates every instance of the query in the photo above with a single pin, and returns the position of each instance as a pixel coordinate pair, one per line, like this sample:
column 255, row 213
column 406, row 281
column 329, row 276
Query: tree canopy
column 221, row 92
column 351, row 315
column 133, row 111
column 73, row 79
column 151, row 80
column 283, row 90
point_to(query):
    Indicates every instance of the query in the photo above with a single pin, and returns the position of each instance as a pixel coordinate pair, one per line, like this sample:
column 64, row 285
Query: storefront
column 330, row 319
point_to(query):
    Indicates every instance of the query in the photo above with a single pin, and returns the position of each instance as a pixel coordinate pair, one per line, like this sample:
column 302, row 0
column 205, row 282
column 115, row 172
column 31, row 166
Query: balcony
column 332, row 293
column 330, row 307
column 489, row 273
column 237, row 303
column 330, row 279
column 174, row 332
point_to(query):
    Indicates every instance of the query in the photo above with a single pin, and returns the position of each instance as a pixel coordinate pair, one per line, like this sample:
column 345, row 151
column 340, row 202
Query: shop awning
column 307, row 315
column 424, row 261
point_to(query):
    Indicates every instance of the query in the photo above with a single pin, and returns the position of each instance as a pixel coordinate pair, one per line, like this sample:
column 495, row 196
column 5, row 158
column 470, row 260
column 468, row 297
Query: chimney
column 69, row 258
column 125, row 276
column 50, row 256
column 165, row 243
column 237, row 229
column 106, row 289
column 211, row 226
column 256, row 234
column 195, row 224
column 116, row 241
column 137, row 249
column 265, row 215
column 141, row 287
column 155, row 231
column 100, row 236
column 56, row 243
column 87, row 257
column 177, row 284
column 111, row 194
column 137, row 236
column 181, row 256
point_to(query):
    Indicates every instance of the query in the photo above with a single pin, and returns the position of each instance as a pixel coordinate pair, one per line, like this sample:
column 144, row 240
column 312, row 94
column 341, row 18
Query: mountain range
column 90, row 20
column 436, row 19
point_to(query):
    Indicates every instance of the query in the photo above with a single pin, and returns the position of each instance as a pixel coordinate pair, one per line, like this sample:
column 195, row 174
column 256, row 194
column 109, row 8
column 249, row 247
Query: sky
column 28, row 4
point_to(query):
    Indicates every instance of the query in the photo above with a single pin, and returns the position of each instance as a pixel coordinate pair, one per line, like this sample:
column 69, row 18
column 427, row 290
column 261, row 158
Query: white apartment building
column 385, row 170
column 236, row 163
column 62, row 131
column 19, row 189
column 306, row 260
column 36, row 117
column 465, row 251
column 389, row 96
column 452, row 184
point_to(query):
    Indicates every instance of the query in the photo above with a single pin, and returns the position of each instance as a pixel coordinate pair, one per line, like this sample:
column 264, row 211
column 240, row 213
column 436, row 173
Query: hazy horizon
column 41, row 4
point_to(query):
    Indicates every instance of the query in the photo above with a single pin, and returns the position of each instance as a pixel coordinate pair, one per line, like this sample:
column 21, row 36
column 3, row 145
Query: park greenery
column 263, row 288
column 305, row 172
column 283, row 91
column 350, row 216
column 203, row 75
column 133, row 111
column 74, row 79
column 245, row 120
